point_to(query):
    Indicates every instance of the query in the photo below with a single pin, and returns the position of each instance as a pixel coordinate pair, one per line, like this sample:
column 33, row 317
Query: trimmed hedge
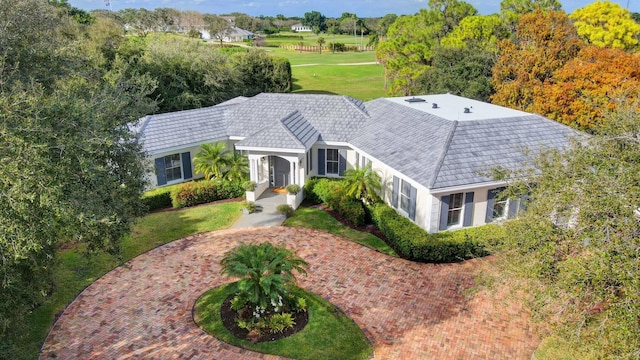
column 202, row 192
column 310, row 193
column 157, row 199
column 352, row 210
column 414, row 243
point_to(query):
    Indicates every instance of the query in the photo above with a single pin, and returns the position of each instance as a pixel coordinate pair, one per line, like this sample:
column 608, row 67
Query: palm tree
column 211, row 160
column 265, row 271
column 320, row 43
column 362, row 183
column 237, row 168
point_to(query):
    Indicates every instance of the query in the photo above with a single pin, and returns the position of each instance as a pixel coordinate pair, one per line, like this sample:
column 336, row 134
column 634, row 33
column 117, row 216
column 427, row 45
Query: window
column 405, row 196
column 497, row 206
column 333, row 166
column 172, row 168
column 499, row 209
column 454, row 215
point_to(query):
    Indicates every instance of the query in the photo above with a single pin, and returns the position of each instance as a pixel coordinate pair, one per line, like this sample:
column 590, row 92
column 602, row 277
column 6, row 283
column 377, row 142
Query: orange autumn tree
column 588, row 86
column 543, row 43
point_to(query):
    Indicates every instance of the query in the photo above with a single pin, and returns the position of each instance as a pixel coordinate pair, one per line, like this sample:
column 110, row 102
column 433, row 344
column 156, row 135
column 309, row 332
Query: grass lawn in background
column 315, row 73
column 311, row 39
column 314, row 218
column 363, row 82
column 74, row 271
column 326, row 58
column 330, row 334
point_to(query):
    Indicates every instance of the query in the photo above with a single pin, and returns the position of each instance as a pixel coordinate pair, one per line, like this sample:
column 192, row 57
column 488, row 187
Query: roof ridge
column 146, row 121
column 348, row 100
column 436, row 170
column 293, row 136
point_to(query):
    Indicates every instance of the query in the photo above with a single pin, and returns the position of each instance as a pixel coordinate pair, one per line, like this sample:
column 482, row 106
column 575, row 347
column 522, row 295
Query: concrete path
column 407, row 310
column 266, row 213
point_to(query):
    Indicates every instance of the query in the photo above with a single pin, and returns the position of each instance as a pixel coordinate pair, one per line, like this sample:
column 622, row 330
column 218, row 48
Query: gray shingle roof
column 433, row 151
column 478, row 146
column 406, row 139
column 292, row 132
column 336, row 118
column 181, row 128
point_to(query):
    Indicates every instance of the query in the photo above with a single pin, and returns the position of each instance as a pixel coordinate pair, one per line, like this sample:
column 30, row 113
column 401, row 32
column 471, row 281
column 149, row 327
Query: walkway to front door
column 266, row 214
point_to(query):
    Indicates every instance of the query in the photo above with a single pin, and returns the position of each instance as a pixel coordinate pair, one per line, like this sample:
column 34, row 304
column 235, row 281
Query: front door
column 280, row 171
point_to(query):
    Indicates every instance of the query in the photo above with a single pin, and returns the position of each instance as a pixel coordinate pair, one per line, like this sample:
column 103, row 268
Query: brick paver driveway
column 407, row 310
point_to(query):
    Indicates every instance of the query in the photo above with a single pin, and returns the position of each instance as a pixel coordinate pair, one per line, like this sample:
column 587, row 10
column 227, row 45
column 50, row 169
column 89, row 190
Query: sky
column 329, row 8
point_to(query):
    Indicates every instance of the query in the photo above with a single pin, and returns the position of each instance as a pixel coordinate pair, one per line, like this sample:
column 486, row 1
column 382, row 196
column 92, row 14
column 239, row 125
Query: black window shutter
column 412, row 203
column 342, row 162
column 160, row 172
column 321, row 162
column 490, row 200
column 186, row 165
column 444, row 211
column 468, row 209
column 394, row 192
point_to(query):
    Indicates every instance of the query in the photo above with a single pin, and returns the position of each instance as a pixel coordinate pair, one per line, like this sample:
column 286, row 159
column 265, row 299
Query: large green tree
column 577, row 244
column 407, row 51
column 315, row 19
column 464, row 71
column 72, row 170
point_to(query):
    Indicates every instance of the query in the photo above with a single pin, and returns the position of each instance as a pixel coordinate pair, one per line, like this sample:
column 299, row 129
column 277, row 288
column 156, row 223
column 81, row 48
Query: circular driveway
column 407, row 310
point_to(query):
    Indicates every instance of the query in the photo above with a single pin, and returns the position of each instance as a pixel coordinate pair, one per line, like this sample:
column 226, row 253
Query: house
column 232, row 34
column 301, row 28
column 433, row 152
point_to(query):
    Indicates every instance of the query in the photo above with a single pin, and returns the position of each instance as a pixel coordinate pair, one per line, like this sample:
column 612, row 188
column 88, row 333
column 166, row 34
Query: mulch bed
column 369, row 228
column 228, row 316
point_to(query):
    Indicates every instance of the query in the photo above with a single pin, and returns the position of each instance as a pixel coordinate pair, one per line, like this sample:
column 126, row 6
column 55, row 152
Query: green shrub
column 331, row 192
column 352, row 210
column 285, row 209
column 293, row 189
column 309, row 191
column 414, row 243
column 249, row 185
column 250, row 206
column 278, row 323
column 202, row 192
column 157, row 199
column 339, row 47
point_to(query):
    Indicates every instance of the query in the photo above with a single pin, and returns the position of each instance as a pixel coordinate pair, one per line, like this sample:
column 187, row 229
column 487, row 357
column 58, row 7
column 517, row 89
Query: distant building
column 233, row 34
column 301, row 28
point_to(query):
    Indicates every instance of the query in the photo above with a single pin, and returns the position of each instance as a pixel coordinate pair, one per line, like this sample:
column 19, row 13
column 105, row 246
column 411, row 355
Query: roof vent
column 434, row 106
column 467, row 111
column 414, row 100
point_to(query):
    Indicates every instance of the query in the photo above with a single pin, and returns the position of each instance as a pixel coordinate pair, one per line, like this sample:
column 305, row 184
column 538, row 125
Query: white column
column 292, row 172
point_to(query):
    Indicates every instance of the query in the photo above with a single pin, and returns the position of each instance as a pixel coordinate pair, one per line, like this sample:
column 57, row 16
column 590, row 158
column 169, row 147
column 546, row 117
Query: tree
column 315, row 19
column 265, row 272
column 72, row 171
column 320, row 43
column 385, row 23
column 218, row 27
column 212, row 160
column 477, row 30
column 588, row 86
column 576, row 245
column 605, row 24
column 406, row 53
column 511, row 10
column 543, row 43
column 464, row 71
column 237, row 168
column 363, row 184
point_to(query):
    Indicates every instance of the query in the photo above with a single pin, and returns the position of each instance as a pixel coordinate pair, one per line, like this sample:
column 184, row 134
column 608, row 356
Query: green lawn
column 330, row 334
column 311, row 39
column 75, row 271
column 313, row 218
column 323, row 74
